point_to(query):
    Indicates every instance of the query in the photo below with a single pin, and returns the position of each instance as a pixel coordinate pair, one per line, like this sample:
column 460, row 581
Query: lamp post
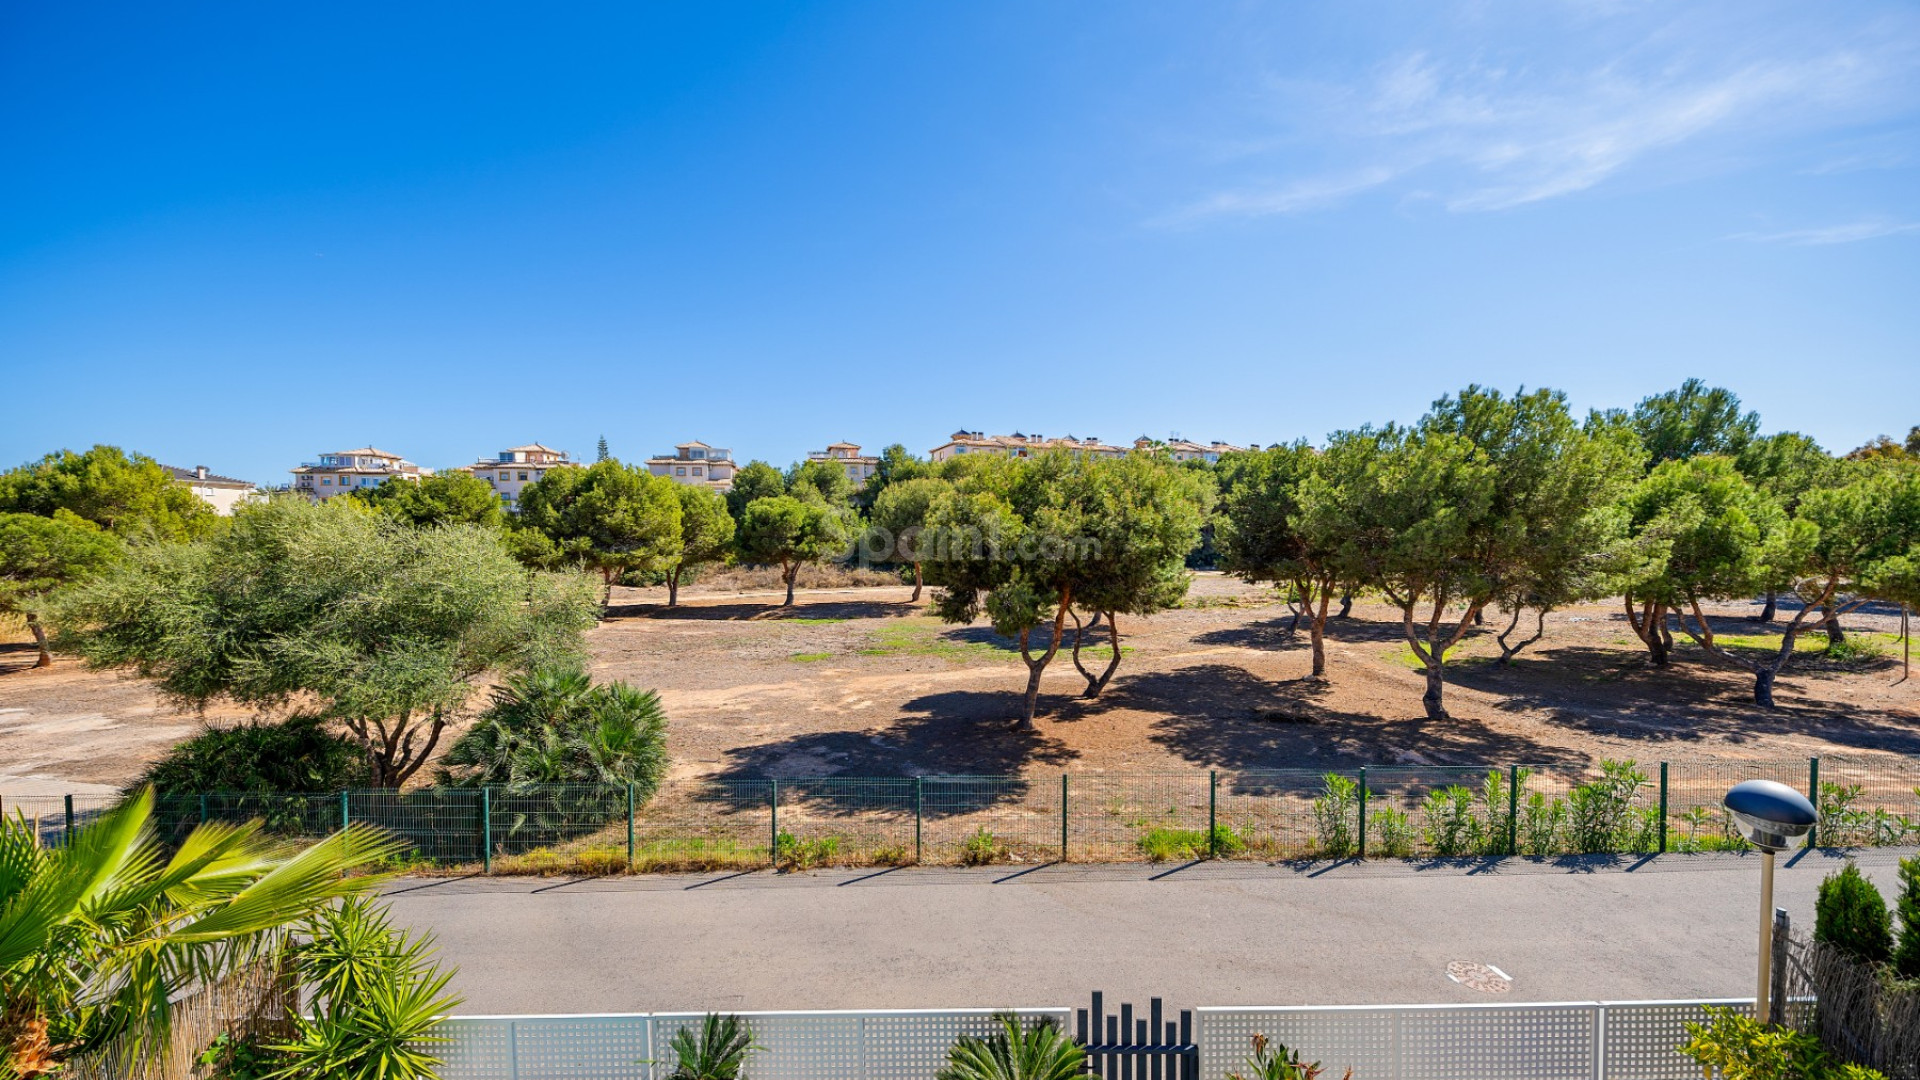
column 1771, row 816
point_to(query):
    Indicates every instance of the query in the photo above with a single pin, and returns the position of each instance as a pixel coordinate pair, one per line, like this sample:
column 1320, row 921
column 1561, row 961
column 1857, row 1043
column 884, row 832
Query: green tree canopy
column 900, row 513
column 755, row 480
column 896, row 465
column 706, row 534
column 454, row 497
column 788, row 532
column 1260, row 533
column 126, row 494
column 1693, row 420
column 39, row 554
column 609, row 516
column 379, row 626
column 821, row 478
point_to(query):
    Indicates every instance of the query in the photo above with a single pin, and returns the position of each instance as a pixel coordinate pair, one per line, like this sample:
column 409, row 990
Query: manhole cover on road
column 1482, row 977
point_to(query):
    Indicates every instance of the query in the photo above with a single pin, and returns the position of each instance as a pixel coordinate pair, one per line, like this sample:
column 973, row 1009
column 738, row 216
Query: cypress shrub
column 1851, row 916
column 1906, row 958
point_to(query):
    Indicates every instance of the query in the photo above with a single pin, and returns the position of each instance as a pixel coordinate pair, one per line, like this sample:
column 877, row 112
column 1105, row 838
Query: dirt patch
column 859, row 681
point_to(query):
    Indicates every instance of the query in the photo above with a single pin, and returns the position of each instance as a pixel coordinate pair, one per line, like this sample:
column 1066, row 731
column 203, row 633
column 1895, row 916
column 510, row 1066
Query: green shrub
column 1162, row 844
column 1016, row 1052
column 296, row 755
column 1851, row 916
column 793, row 853
column 1497, row 798
column 718, row 1052
column 1906, row 956
column 1599, row 811
column 979, row 848
column 1736, row 1047
column 1333, row 814
column 1392, row 831
column 1450, row 825
column 1541, row 824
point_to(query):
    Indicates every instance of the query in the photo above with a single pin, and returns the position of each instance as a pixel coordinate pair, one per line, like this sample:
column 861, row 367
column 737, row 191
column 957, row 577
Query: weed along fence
column 1620, row 1040
column 1370, row 812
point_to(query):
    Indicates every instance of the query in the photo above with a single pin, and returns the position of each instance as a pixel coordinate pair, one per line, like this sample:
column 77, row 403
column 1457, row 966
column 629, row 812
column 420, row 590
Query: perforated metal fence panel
column 1640, row 1037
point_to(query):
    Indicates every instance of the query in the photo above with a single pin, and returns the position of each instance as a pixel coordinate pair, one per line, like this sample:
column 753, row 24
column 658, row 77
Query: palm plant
column 556, row 726
column 96, row 936
column 718, row 1052
column 377, row 998
column 1016, row 1052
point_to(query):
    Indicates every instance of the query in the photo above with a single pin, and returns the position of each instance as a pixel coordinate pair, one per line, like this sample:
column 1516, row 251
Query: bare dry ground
column 861, row 682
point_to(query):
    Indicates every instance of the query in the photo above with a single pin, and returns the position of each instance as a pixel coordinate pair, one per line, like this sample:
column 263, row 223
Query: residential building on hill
column 345, row 470
column 847, row 455
column 1018, row 445
column 696, row 463
column 1187, row 450
column 223, row 493
column 512, row 470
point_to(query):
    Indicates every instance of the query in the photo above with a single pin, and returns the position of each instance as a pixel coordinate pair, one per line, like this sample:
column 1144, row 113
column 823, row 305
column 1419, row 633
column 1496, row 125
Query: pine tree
column 602, row 454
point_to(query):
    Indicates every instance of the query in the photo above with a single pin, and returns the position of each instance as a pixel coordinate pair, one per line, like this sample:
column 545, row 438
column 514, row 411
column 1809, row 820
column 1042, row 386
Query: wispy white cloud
column 1482, row 135
column 1832, row 234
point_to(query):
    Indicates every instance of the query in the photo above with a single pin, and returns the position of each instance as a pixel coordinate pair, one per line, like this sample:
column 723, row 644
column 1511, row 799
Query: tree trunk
column 1436, row 684
column 1346, row 604
column 1507, row 653
column 1094, row 686
column 1317, row 633
column 606, row 597
column 1830, row 622
column 40, row 639
column 1763, row 688
column 1649, row 624
column 1036, row 668
column 673, row 586
column 1772, row 607
column 916, row 585
column 791, row 575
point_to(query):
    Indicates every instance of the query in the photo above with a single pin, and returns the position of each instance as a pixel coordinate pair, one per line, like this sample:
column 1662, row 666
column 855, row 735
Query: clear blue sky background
column 238, row 235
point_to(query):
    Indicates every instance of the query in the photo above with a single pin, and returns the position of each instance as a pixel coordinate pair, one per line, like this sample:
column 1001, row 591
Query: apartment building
column 345, row 470
column 847, row 455
column 511, row 470
column 696, row 463
column 1019, row 445
column 223, row 493
column 1187, row 450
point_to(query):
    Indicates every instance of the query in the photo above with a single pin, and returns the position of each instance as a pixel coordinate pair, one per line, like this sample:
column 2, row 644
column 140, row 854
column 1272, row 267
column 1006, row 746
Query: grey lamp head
column 1770, row 815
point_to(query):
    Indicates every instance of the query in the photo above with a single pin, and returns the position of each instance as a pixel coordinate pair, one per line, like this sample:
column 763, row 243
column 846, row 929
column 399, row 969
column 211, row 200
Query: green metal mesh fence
column 1408, row 811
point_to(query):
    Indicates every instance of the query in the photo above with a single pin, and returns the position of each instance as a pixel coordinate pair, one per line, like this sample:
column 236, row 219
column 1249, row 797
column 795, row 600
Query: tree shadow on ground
column 953, row 733
column 744, row 612
column 17, row 656
column 1219, row 715
column 1621, row 695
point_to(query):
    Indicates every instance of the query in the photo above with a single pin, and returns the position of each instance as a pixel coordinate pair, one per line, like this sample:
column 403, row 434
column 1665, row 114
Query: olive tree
column 381, row 627
column 39, row 554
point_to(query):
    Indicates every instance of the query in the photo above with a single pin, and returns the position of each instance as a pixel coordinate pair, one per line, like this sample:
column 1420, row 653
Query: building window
column 697, row 455
column 523, row 474
column 680, row 470
column 504, row 475
column 697, row 471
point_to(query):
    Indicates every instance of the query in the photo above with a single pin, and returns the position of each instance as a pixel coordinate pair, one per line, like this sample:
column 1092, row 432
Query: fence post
column 1363, row 811
column 1777, row 998
column 1213, row 813
column 629, row 828
column 1663, row 808
column 773, row 840
column 919, row 798
column 1513, row 810
column 345, row 817
column 66, row 837
column 1063, row 817
column 1813, row 796
column 486, row 829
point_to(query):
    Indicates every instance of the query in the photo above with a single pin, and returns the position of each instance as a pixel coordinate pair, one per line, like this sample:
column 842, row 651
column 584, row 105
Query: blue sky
column 239, row 235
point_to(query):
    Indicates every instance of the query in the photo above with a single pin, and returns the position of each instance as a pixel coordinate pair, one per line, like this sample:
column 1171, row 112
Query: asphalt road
column 1675, row 926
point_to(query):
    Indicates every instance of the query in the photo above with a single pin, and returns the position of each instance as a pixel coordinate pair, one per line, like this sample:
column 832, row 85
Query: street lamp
column 1771, row 816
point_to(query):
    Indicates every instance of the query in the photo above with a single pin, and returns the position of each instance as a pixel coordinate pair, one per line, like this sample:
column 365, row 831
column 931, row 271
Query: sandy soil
column 862, row 682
